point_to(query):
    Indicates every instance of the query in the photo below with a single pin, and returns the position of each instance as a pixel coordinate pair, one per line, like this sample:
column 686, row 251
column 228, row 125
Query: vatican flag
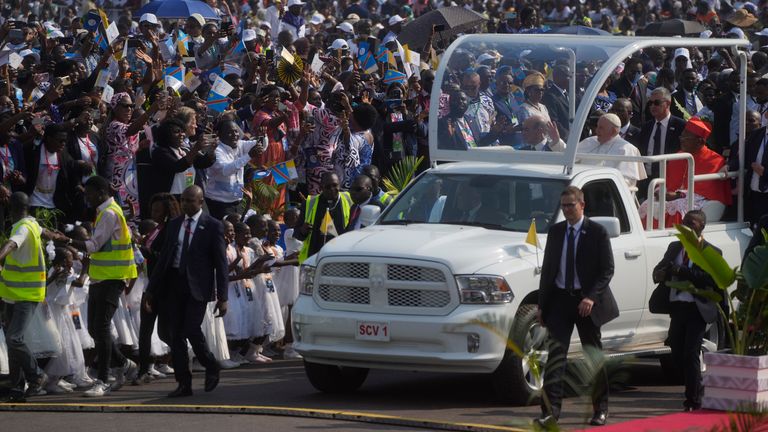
column 532, row 238
column 327, row 228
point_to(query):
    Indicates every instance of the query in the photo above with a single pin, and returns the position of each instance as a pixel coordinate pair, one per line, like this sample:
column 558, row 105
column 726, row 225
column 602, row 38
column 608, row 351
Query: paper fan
column 290, row 73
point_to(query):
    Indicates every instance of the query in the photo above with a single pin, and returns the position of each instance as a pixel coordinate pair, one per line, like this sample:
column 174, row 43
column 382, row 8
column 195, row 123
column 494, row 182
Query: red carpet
column 690, row 422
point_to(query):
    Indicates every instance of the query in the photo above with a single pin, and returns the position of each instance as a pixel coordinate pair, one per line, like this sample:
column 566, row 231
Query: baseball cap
column 292, row 3
column 248, row 35
column 199, row 18
column 395, row 19
column 352, row 18
column 150, row 18
column 339, row 44
column 317, row 19
column 346, row 28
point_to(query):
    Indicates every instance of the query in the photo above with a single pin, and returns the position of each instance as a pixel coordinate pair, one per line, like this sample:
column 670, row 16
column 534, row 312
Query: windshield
column 494, row 202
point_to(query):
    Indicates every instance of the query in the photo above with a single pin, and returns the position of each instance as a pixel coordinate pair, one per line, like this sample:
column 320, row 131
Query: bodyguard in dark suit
column 755, row 176
column 690, row 313
column 190, row 272
column 574, row 290
column 556, row 98
column 633, row 86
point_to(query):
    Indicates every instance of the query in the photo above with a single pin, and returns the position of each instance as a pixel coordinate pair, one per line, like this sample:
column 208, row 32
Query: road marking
column 356, row 416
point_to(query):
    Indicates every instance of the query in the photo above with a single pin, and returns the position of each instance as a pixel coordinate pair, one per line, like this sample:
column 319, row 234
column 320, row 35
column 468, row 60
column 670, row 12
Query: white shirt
column 225, row 176
column 663, row 143
column 682, row 296
column 89, row 152
column 48, row 172
column 560, row 279
column 192, row 226
column 23, row 247
column 632, row 171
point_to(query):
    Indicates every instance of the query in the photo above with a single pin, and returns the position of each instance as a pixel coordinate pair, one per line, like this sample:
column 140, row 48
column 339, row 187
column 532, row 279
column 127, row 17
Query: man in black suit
column 633, row 86
column 756, row 177
column 576, row 271
column 556, row 98
column 190, row 272
column 723, row 111
column 685, row 101
column 659, row 136
column 622, row 107
column 690, row 313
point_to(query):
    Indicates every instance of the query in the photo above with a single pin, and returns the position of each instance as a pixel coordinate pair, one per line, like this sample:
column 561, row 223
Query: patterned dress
column 319, row 147
column 121, row 168
column 350, row 160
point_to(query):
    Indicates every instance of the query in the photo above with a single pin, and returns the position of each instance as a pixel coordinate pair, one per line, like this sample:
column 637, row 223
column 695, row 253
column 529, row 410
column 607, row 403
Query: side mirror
column 611, row 224
column 369, row 214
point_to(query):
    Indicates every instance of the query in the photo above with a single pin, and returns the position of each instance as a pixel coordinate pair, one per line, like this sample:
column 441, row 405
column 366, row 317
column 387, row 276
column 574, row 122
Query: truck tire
column 714, row 339
column 513, row 381
column 335, row 379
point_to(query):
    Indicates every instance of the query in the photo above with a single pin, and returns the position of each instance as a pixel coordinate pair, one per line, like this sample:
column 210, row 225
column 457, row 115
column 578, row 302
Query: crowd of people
column 272, row 120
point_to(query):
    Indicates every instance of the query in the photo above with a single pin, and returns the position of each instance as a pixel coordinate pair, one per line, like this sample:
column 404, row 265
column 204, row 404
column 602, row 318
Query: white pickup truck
column 409, row 291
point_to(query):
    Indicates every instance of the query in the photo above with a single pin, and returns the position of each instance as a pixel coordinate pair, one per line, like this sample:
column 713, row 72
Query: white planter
column 735, row 382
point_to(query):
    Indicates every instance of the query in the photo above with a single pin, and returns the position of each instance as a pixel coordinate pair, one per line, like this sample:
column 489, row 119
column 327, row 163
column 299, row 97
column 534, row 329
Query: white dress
column 215, row 334
column 271, row 322
column 122, row 325
column 236, row 321
column 41, row 336
column 157, row 348
column 79, row 312
column 287, row 278
column 3, row 354
column 60, row 297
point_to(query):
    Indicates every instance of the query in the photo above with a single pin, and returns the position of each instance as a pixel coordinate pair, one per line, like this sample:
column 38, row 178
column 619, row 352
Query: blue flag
column 211, row 74
column 393, row 76
column 91, row 21
column 366, row 58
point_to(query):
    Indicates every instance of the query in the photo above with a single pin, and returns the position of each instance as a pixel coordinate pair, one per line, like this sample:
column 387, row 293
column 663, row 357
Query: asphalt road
column 387, row 396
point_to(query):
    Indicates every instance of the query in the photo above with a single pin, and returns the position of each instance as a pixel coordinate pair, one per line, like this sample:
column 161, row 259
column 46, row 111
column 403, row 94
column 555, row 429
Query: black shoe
column 211, row 380
column 15, row 397
column 545, row 422
column 181, row 391
column 599, row 418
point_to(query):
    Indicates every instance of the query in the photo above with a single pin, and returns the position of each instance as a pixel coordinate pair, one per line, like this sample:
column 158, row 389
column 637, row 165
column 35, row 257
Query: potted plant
column 737, row 380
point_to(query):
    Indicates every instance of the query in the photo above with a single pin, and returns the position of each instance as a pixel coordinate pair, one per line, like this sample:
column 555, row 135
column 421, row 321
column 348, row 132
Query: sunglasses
column 656, row 102
column 567, row 205
column 129, row 106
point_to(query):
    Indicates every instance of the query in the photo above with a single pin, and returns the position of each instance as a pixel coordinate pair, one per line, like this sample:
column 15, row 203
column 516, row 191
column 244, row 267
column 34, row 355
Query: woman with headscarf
column 272, row 119
column 122, row 137
column 533, row 86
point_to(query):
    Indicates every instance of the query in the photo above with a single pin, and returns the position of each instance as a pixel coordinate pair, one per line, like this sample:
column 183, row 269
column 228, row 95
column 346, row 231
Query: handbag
column 659, row 301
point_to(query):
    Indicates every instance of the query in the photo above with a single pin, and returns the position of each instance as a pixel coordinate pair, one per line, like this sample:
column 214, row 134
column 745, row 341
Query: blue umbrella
column 178, row 9
column 581, row 30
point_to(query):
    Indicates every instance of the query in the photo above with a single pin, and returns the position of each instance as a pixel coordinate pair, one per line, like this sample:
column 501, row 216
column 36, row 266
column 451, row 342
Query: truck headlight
column 306, row 279
column 474, row 289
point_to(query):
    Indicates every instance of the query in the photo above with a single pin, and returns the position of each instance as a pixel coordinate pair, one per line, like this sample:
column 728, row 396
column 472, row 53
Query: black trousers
column 756, row 207
column 181, row 316
column 562, row 317
column 686, row 332
column 219, row 209
column 145, row 338
column 103, row 300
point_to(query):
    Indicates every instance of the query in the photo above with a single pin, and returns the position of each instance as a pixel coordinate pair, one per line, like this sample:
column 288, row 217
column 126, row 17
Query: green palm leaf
column 402, row 173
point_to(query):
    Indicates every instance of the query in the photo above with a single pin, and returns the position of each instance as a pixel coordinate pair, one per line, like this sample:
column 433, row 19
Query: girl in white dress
column 285, row 274
column 236, row 320
column 62, row 281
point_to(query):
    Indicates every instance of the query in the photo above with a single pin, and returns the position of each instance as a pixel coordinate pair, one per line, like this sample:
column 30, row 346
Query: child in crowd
column 284, row 275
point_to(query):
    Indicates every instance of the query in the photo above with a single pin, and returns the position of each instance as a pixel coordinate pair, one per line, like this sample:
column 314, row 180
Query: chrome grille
column 397, row 272
column 353, row 270
column 344, row 294
column 418, row 298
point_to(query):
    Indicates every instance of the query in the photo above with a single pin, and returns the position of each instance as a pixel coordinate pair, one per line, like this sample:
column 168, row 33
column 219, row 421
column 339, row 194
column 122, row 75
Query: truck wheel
column 714, row 340
column 335, row 379
column 520, row 381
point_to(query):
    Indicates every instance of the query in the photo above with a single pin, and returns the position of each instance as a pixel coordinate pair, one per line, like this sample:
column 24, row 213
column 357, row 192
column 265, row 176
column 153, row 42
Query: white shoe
column 196, row 366
column 124, row 374
column 269, row 352
column 165, row 369
column 290, row 353
column 65, row 384
column 228, row 364
column 55, row 388
column 154, row 372
column 82, row 382
column 237, row 357
column 263, row 359
column 99, row 389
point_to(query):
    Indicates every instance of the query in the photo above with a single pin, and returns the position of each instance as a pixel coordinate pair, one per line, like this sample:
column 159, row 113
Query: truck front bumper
column 471, row 339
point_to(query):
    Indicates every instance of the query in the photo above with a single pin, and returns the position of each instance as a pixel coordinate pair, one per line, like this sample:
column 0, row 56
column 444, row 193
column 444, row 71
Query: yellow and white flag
column 327, row 227
column 532, row 238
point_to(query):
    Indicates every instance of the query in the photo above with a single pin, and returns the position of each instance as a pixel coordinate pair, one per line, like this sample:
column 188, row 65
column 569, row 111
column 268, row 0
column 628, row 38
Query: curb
column 354, row 416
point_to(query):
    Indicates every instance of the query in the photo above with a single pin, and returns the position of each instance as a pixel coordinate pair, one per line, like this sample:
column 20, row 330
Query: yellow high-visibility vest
column 309, row 217
column 115, row 259
column 25, row 280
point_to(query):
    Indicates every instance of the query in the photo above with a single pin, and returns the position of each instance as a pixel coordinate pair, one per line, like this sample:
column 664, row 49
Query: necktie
column 353, row 216
column 570, row 255
column 657, row 140
column 185, row 243
column 685, row 259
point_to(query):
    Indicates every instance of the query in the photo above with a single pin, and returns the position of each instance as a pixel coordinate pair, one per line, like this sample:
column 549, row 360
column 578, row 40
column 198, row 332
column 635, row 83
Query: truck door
column 602, row 198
